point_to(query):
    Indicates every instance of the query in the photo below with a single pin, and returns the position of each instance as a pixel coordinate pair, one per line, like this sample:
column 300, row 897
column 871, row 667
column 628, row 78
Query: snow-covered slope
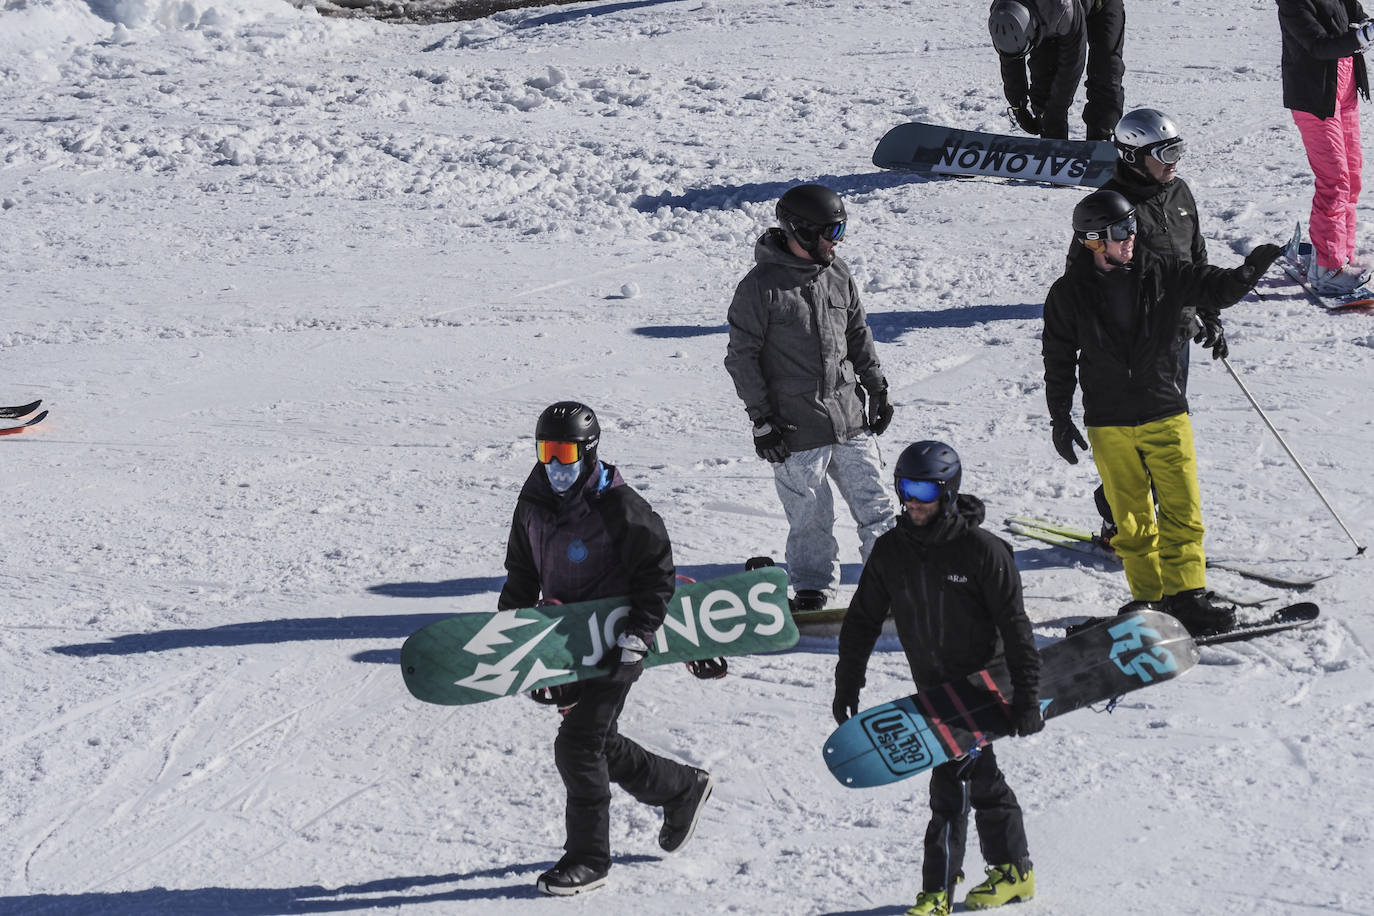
column 295, row 290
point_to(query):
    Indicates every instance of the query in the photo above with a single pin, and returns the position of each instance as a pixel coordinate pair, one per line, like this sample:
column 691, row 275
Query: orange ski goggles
column 562, row 452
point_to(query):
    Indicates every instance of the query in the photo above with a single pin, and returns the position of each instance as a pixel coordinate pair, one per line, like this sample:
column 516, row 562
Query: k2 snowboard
column 934, row 150
column 899, row 739
column 470, row 658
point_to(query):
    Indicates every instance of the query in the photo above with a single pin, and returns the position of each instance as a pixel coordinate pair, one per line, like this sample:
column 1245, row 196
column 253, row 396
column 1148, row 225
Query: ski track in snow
column 295, row 289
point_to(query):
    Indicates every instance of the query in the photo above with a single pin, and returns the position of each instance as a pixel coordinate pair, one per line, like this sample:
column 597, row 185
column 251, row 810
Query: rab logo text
column 1132, row 656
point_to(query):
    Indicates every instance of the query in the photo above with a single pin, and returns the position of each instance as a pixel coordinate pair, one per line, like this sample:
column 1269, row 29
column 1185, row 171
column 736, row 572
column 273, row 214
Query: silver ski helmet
column 1103, row 215
column 1147, row 132
column 809, row 213
column 1012, row 27
column 566, row 436
column 928, row 471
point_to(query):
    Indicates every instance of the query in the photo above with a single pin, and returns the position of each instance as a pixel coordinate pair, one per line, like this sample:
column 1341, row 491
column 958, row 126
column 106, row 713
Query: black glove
column 1258, row 261
column 769, row 441
column 1066, row 435
column 708, row 669
column 625, row 659
column 564, row 696
column 1025, row 716
column 1025, row 119
column 846, row 704
column 1211, row 335
column 879, row 410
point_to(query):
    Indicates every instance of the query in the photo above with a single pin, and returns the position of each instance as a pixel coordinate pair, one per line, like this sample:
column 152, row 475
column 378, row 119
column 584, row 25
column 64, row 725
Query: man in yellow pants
column 1115, row 326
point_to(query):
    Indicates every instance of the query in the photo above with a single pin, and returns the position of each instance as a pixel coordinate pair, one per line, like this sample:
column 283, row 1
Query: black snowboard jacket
column 954, row 594
column 1317, row 34
column 1142, row 379
column 600, row 540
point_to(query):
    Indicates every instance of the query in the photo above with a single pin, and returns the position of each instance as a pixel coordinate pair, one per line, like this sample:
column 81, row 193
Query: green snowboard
column 475, row 657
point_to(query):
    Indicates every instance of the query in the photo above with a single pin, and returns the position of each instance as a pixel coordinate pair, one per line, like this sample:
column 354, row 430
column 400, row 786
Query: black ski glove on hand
column 1025, row 119
column 879, row 410
column 1066, row 435
column 1258, row 261
column 1025, row 716
column 708, row 669
column 846, row 703
column 768, row 440
column 1211, row 335
column 625, row 659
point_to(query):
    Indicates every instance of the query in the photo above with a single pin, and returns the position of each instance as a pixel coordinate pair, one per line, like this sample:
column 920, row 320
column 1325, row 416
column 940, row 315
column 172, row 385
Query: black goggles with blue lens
column 921, row 491
column 831, row 232
column 1118, row 231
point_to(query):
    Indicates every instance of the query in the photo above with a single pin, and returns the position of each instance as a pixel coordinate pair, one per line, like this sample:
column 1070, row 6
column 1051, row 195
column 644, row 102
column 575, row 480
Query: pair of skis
column 21, row 410
column 1285, row 618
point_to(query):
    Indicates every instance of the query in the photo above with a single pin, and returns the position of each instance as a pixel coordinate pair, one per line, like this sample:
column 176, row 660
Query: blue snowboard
column 908, row 736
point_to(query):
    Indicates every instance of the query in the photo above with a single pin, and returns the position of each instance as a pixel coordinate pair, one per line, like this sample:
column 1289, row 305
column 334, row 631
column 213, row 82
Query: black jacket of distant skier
column 1166, row 217
column 1048, row 77
column 955, row 597
column 600, row 540
column 1140, row 378
column 1317, row 34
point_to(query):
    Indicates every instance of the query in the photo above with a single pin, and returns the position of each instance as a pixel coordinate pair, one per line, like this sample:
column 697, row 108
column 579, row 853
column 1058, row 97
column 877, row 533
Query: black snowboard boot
column 567, row 878
column 680, row 817
column 808, row 599
column 1195, row 610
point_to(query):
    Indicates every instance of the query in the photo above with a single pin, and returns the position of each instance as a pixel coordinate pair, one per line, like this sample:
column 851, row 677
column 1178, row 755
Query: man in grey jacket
column 800, row 351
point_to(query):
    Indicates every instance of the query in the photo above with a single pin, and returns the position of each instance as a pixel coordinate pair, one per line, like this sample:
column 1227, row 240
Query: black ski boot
column 1195, row 610
column 808, row 599
column 567, row 878
column 680, row 817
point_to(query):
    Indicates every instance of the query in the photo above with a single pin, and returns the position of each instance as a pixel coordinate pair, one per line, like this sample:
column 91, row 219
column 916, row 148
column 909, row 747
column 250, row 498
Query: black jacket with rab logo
column 955, row 596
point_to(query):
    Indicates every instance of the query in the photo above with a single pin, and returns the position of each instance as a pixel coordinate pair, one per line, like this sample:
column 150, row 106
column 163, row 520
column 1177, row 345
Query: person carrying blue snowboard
column 954, row 593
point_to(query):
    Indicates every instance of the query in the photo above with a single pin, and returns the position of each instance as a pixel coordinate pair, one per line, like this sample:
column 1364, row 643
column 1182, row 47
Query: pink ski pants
column 1333, row 151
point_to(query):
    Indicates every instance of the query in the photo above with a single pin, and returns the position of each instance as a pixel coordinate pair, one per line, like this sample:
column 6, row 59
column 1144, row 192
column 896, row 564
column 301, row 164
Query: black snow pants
column 1106, row 38
column 591, row 754
column 955, row 786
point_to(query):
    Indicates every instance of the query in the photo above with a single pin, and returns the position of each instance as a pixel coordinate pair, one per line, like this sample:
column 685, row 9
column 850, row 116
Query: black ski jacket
column 1166, row 215
column 955, row 596
column 1317, row 34
column 600, row 540
column 1135, row 381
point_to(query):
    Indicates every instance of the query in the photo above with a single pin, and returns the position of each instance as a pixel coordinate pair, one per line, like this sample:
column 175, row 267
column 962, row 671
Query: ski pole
column 1359, row 548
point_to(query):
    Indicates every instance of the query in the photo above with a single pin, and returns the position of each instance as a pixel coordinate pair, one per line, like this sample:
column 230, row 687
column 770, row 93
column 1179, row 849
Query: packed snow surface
column 295, row 289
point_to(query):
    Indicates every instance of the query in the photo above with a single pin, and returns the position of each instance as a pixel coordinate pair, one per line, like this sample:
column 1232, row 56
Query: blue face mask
column 562, row 476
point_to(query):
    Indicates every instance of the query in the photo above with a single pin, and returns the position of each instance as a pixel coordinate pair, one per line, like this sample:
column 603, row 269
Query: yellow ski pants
column 1163, row 555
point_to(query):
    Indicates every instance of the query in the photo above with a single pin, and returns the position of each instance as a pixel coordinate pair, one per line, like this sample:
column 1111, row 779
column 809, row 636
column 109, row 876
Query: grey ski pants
column 803, row 483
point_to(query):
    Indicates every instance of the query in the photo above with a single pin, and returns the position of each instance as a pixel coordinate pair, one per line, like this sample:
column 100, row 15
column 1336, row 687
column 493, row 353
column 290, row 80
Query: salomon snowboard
column 475, row 657
column 934, row 150
column 1093, row 544
column 1296, row 256
column 899, row 739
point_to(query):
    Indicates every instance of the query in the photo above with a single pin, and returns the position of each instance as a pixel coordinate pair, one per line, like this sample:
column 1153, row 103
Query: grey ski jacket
column 800, row 345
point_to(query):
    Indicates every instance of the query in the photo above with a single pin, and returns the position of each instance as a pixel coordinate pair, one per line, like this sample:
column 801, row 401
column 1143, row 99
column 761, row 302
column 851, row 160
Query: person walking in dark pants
column 954, row 593
column 581, row 533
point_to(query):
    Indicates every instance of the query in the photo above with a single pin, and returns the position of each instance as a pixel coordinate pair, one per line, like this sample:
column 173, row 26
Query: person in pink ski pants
column 1323, row 71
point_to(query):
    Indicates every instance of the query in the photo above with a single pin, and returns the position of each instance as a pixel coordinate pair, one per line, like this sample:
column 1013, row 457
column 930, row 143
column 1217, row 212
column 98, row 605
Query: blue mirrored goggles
column 1118, row 231
column 922, row 491
column 831, row 232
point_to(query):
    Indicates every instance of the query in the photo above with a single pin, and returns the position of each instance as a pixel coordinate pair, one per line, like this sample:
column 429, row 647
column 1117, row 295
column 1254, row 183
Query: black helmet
column 1147, row 131
column 1098, row 212
column 1012, row 28
column 930, row 460
column 810, row 212
column 568, row 421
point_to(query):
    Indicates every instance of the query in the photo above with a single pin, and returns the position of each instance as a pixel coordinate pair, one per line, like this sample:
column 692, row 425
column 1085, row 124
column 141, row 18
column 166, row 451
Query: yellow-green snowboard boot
column 1004, row 884
column 930, row 903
